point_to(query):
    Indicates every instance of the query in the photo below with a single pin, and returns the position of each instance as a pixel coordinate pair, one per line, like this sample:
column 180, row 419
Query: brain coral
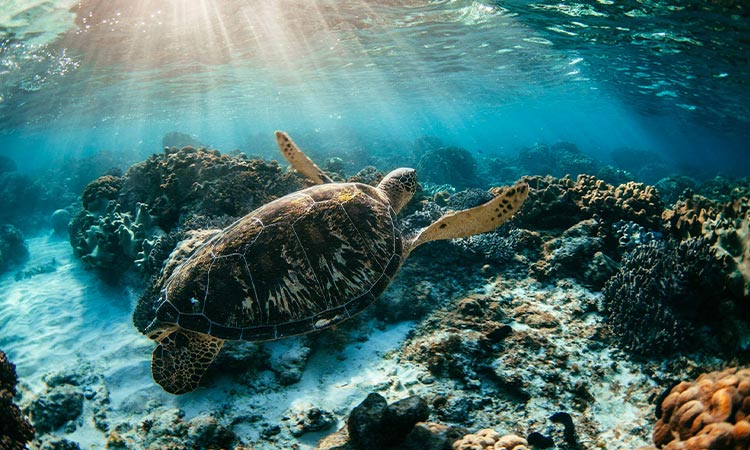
column 487, row 439
column 710, row 413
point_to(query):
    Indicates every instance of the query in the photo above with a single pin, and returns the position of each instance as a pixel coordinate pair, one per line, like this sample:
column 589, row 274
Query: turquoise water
column 667, row 77
column 513, row 321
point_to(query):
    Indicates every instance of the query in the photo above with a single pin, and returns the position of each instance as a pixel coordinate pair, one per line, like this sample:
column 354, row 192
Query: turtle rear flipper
column 480, row 219
column 181, row 358
column 299, row 161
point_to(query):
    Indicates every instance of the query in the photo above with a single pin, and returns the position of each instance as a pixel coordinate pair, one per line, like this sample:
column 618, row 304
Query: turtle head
column 399, row 186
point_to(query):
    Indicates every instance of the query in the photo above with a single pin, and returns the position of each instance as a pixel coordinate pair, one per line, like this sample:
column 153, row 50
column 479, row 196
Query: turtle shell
column 301, row 263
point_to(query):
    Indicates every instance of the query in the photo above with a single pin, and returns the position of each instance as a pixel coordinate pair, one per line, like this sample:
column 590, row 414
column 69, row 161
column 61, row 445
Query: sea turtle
column 298, row 264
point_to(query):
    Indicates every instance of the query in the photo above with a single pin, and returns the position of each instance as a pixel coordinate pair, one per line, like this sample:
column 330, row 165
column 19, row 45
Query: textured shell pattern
column 298, row 264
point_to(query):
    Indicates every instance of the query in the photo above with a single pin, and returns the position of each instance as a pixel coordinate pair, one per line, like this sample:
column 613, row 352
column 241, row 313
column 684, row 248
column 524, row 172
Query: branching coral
column 711, row 413
column 663, row 294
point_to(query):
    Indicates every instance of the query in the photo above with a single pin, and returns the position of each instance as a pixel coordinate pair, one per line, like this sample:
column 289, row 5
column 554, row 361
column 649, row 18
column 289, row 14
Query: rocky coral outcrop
column 169, row 429
column 578, row 253
column 123, row 218
column 559, row 203
column 66, row 393
column 177, row 140
column 726, row 226
column 13, row 248
column 15, row 428
column 451, row 165
column 558, row 159
column 712, row 412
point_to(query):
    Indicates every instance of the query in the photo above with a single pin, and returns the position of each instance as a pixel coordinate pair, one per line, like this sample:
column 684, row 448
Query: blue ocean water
column 86, row 85
column 665, row 77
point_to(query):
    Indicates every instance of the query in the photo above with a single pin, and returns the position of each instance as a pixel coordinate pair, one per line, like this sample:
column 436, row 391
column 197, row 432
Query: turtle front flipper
column 299, row 161
column 480, row 219
column 181, row 358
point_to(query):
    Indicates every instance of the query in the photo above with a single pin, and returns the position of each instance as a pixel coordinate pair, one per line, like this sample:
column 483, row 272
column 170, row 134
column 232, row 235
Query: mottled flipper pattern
column 181, row 358
column 299, row 161
column 480, row 219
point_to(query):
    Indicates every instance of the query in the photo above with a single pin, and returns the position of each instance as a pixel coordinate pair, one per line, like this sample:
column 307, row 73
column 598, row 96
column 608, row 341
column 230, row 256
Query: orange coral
column 487, row 439
column 708, row 414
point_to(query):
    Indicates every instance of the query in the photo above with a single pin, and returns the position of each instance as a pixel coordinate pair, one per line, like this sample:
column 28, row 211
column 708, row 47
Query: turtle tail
column 181, row 358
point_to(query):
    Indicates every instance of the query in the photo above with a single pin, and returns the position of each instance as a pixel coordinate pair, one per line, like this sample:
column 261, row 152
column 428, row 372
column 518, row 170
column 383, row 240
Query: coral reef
column 13, row 248
column 577, row 253
column 167, row 429
column 97, row 194
column 452, row 165
column 66, row 393
column 487, row 439
column 665, row 296
column 559, row 203
column 113, row 240
column 631, row 201
column 178, row 140
column 61, row 405
column 559, row 159
column 713, row 412
column 15, row 429
column 673, row 188
column 726, row 226
column 123, row 218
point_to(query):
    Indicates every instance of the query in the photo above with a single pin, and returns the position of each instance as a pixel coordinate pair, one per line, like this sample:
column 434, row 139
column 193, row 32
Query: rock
column 60, row 219
column 205, row 431
column 291, row 364
column 538, row 440
column 400, row 417
column 364, row 423
column 313, row 419
column 178, row 140
column 58, row 406
column 166, row 429
column 432, row 436
column 59, row 444
column 452, row 165
column 336, row 441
